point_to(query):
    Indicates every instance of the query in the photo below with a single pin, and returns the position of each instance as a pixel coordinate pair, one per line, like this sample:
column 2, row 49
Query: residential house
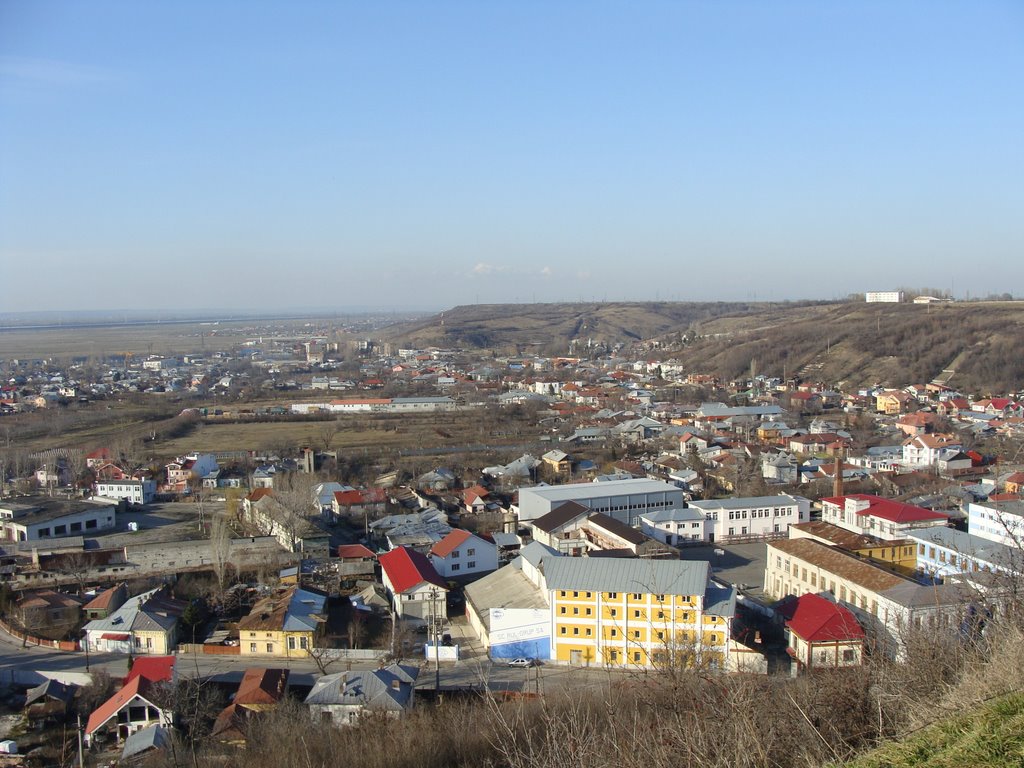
column 286, row 622
column 186, row 469
column 475, row 499
column 343, row 698
column 557, row 462
column 144, row 624
column 361, row 503
column 461, row 555
column 129, row 710
column 49, row 702
column 295, row 532
column 893, row 402
column 260, row 691
column 926, row 450
column 417, row 589
column 43, row 611
column 821, row 634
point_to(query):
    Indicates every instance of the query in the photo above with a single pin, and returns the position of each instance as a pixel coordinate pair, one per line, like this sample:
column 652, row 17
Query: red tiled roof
column 887, row 509
column 154, row 668
column 355, row 497
column 449, row 543
column 102, row 601
column 262, row 686
column 407, row 568
column 476, row 492
column 816, row 620
column 259, row 493
column 354, row 550
column 119, row 636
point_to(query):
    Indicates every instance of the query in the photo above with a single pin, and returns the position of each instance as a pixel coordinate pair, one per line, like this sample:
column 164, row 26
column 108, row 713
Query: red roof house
column 822, row 634
column 412, row 580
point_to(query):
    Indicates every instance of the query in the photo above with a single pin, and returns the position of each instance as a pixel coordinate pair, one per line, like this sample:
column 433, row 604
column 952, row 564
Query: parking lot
column 741, row 565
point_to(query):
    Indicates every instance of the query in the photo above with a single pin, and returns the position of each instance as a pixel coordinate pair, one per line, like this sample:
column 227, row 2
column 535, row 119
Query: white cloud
column 484, row 269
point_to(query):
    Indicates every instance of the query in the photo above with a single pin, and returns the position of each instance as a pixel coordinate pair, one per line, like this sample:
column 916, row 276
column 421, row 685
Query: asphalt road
column 476, row 673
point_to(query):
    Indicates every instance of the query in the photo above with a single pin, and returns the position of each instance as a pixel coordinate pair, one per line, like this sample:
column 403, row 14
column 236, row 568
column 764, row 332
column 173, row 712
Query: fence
column 59, row 645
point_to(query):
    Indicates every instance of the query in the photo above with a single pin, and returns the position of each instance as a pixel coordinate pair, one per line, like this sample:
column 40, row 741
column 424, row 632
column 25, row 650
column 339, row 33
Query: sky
column 421, row 155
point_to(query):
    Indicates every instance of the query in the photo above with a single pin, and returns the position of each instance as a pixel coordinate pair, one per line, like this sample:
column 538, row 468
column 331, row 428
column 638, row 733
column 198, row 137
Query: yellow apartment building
column 639, row 613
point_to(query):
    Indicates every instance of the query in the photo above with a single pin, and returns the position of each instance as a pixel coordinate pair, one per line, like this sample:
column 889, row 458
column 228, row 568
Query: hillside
column 990, row 736
column 549, row 328
column 847, row 344
column 851, row 344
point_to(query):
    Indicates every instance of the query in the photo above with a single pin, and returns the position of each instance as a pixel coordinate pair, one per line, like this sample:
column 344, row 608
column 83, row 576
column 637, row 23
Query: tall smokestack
column 837, row 488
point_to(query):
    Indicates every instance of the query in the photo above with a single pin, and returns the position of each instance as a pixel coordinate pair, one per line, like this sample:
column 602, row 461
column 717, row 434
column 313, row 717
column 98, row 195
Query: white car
column 523, row 663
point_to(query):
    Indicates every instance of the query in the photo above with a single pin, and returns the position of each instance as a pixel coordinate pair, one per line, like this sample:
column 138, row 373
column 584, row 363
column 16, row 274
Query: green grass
column 990, row 736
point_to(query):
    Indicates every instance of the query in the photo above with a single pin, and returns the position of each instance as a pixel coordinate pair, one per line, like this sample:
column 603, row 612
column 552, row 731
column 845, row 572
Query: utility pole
column 81, row 754
column 435, row 626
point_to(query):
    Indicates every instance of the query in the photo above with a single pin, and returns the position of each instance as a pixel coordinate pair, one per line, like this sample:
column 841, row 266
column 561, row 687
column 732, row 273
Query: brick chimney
column 837, row 488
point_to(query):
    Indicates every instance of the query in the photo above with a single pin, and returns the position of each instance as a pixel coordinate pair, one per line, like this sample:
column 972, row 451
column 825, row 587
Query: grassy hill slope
column 990, row 736
column 841, row 343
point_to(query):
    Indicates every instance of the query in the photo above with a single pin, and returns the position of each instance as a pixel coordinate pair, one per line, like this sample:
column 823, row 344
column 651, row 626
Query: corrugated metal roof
column 665, row 577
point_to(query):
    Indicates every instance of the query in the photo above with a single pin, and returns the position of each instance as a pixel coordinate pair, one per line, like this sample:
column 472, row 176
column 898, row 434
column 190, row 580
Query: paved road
column 475, row 672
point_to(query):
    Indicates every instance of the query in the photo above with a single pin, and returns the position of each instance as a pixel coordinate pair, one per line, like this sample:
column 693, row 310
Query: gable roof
column 103, row 601
column 262, row 687
column 816, row 620
column 560, row 515
column 406, row 568
column 354, row 550
column 389, row 688
column 137, row 686
column 451, row 542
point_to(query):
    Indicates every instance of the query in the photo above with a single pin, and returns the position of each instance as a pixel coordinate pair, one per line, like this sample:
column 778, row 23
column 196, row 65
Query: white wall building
column 753, row 517
column 885, row 297
column 461, row 554
column 44, row 518
column 881, row 518
column 998, row 521
column 624, row 500
column 132, row 491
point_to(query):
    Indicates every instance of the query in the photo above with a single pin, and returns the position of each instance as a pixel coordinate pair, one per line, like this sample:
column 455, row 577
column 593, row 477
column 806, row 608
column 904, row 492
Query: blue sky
column 428, row 154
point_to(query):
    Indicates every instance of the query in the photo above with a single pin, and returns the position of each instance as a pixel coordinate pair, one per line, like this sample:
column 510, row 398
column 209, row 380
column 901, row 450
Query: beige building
column 886, row 603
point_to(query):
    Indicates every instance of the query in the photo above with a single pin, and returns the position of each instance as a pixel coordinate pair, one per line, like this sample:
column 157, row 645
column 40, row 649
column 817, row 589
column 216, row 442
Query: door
column 576, row 657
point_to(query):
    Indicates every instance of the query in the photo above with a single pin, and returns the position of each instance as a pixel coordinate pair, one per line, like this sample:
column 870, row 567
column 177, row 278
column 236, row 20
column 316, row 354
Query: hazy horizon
column 258, row 156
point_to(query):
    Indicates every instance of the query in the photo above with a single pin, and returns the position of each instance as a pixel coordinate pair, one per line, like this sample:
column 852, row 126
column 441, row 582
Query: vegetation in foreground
column 686, row 718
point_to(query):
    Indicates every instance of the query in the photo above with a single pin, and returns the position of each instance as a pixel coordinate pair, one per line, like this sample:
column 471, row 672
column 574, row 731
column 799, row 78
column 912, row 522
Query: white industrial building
column 623, row 500
column 30, row 519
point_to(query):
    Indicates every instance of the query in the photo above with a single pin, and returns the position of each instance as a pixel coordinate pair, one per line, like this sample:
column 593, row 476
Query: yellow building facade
column 685, row 622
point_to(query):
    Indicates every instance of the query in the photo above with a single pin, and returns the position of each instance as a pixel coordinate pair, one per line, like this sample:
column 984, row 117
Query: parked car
column 524, row 663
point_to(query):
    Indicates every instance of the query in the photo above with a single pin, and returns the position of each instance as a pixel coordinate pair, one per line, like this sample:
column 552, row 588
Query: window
column 561, row 630
column 252, row 634
column 660, row 598
column 90, row 524
column 636, row 633
column 304, row 643
column 291, row 643
column 455, row 554
column 455, row 567
column 613, row 655
column 636, row 614
column 589, row 611
column 60, row 530
column 575, row 630
column 252, row 647
column 613, row 595
column 575, row 594
column 44, row 532
column 848, row 655
column 575, row 611
column 613, row 633
column 636, row 656
column 613, row 613
column 270, row 647
column 637, row 596
column 562, row 610
column 470, row 552
column 75, row 527
column 587, row 632
column 471, row 564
